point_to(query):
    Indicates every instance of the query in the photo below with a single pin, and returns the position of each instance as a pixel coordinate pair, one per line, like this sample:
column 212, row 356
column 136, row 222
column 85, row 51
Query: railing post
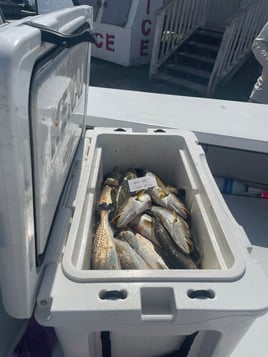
column 176, row 21
column 219, row 62
column 156, row 43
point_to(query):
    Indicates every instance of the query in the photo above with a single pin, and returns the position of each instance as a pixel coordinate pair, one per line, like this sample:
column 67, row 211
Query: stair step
column 200, row 88
column 204, row 46
column 209, row 33
column 198, row 72
column 193, row 56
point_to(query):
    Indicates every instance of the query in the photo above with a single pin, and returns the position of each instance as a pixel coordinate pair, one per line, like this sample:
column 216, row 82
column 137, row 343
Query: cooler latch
column 62, row 39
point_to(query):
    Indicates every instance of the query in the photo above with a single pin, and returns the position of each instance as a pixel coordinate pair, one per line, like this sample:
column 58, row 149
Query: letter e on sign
column 110, row 42
column 144, row 47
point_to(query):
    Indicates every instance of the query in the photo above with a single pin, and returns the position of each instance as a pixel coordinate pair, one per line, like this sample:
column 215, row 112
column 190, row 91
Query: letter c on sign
column 99, row 44
column 144, row 28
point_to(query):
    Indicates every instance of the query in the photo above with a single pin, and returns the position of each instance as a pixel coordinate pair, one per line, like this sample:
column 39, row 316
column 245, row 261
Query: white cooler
column 51, row 169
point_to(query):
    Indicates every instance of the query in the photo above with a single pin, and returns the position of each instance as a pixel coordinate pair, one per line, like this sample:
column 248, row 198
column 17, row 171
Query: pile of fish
column 145, row 228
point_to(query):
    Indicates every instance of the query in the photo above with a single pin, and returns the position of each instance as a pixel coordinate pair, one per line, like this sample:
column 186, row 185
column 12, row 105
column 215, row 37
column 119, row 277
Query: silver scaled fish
column 161, row 184
column 164, row 197
column 129, row 259
column 144, row 248
column 114, row 178
column 178, row 259
column 134, row 206
column 176, row 227
column 143, row 224
column 122, row 193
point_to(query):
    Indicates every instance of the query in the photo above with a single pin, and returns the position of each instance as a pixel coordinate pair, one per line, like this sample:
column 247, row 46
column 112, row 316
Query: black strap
column 106, row 343
column 61, row 39
column 184, row 348
column 181, row 352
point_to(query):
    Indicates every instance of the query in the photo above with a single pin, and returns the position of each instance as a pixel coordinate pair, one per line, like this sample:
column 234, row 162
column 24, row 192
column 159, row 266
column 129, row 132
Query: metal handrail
column 175, row 22
column 237, row 40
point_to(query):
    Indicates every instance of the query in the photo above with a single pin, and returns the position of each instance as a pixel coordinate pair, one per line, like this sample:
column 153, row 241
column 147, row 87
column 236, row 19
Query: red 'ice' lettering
column 99, row 44
column 110, row 42
column 146, row 27
column 148, row 7
column 144, row 48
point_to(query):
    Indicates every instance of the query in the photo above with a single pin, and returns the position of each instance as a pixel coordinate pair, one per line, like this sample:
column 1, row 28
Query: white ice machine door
column 44, row 63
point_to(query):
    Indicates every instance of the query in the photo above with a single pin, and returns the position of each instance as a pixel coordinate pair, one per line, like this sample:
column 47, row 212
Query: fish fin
column 104, row 206
column 140, row 195
column 160, row 266
column 162, row 192
column 116, row 217
column 191, row 245
column 172, row 189
column 148, row 223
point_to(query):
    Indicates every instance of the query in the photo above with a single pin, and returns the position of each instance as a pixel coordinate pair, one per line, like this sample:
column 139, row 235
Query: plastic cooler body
column 41, row 85
column 219, row 301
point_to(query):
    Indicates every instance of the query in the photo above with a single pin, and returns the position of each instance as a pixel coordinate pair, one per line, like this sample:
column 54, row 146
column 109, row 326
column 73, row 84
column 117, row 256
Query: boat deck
column 251, row 213
column 218, row 123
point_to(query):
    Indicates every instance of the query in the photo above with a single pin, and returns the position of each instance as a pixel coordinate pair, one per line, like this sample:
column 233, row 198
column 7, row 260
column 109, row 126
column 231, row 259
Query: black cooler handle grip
column 65, row 40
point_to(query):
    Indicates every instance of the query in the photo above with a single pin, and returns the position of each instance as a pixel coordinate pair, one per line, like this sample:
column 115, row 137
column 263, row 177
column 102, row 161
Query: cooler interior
column 176, row 161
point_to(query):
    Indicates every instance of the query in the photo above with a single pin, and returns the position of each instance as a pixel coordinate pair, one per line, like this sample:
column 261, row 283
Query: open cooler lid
column 44, row 78
column 59, row 83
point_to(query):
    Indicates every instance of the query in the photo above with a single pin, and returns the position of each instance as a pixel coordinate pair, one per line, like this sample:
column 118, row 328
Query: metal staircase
column 192, row 52
column 191, row 65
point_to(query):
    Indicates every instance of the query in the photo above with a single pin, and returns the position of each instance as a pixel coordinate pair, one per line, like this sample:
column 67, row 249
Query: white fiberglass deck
column 234, row 125
column 251, row 213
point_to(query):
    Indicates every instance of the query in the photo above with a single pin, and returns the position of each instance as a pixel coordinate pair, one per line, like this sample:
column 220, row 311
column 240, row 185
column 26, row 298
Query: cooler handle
column 62, row 39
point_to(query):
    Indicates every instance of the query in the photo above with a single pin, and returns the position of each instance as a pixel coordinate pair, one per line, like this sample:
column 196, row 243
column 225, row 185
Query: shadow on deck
column 110, row 75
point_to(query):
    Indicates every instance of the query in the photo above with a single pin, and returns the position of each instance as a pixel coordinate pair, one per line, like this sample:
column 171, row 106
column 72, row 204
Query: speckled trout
column 104, row 253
